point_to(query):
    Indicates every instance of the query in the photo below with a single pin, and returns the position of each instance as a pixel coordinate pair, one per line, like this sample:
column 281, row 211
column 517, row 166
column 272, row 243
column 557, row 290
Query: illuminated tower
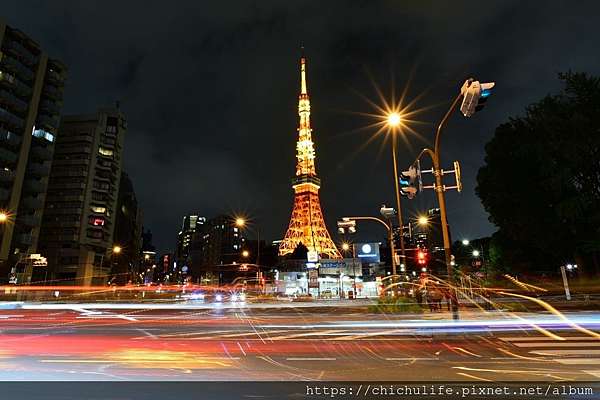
column 307, row 225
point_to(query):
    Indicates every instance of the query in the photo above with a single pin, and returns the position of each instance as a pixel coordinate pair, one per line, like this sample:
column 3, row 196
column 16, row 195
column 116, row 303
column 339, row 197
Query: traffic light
column 421, row 257
column 407, row 182
column 475, row 94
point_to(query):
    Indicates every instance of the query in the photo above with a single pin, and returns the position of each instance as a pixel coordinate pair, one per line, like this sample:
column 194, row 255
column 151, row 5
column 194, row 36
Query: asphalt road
column 77, row 342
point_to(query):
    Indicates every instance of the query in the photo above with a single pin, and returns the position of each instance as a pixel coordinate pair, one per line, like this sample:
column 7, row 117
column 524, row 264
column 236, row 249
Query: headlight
column 219, row 297
column 234, row 298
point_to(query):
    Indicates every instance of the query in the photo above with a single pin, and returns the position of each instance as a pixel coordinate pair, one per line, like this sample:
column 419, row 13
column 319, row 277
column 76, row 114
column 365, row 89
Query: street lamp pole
column 398, row 206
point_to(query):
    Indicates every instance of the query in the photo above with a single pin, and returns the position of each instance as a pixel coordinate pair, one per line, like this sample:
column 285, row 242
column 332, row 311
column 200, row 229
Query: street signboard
column 312, row 256
column 313, row 278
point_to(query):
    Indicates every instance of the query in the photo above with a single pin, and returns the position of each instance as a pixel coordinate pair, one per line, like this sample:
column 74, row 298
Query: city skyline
column 170, row 143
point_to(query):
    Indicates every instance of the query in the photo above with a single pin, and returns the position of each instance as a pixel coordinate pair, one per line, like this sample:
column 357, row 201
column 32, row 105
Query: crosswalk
column 581, row 350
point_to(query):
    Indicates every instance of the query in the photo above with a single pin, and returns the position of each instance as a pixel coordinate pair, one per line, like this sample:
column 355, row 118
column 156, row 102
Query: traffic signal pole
column 439, row 188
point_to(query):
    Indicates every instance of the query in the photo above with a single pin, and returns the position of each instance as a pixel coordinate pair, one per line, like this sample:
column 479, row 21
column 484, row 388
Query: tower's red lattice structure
column 307, row 225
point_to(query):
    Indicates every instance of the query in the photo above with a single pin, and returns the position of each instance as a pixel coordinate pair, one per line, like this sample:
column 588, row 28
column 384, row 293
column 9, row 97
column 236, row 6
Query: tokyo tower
column 307, row 225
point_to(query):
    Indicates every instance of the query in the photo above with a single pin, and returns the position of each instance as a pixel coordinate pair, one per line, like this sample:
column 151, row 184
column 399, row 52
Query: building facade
column 215, row 244
column 79, row 219
column 31, row 92
column 184, row 237
column 128, row 234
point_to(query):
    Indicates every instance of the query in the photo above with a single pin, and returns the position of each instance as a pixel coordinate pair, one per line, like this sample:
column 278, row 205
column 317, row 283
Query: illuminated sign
column 367, row 252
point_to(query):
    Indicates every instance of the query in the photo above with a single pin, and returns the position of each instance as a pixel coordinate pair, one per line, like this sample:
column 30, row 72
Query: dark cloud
column 210, row 90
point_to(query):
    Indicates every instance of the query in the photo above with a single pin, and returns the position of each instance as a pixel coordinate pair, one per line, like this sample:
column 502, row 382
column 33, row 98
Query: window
column 40, row 133
column 97, row 221
column 105, row 152
column 99, row 210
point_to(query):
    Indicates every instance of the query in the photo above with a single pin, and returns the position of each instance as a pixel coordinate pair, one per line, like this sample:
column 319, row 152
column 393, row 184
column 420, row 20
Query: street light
column 345, row 246
column 240, row 222
column 3, row 216
column 465, row 242
column 423, row 220
column 394, row 120
column 245, row 253
column 117, row 249
column 475, row 253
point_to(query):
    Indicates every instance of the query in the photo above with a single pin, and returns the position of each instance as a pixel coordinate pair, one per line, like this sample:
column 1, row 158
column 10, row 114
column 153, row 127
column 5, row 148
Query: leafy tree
column 300, row 252
column 541, row 178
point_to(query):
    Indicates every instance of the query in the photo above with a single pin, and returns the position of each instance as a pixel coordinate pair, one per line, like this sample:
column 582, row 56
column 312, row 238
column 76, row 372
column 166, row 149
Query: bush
column 396, row 305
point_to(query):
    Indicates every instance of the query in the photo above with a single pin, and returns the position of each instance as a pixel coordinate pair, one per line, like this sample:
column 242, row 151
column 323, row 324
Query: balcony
column 18, row 51
column 32, row 203
column 66, row 172
column 29, row 220
column 11, row 120
column 9, row 138
column 49, row 122
column 34, row 186
column 25, row 238
column 52, row 92
column 41, row 153
column 7, row 156
column 12, row 101
column 18, row 68
column 6, row 175
column 50, row 107
column 55, row 78
column 38, row 170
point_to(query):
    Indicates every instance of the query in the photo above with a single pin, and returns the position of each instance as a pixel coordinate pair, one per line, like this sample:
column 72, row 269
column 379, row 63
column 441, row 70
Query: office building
column 31, row 92
column 184, row 238
column 215, row 244
column 79, row 217
column 128, row 233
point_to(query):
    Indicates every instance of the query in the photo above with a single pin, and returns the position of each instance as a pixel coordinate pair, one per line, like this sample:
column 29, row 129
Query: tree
column 300, row 252
column 541, row 178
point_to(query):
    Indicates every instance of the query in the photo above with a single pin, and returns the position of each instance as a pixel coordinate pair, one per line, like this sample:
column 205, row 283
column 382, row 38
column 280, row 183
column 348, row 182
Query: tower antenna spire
column 303, row 89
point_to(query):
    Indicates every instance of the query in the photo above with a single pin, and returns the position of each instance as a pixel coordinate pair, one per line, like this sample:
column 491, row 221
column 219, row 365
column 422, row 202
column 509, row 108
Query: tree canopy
column 541, row 178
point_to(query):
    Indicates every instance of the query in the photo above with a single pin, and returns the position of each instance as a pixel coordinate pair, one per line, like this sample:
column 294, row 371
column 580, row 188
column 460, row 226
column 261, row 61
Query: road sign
column 313, row 278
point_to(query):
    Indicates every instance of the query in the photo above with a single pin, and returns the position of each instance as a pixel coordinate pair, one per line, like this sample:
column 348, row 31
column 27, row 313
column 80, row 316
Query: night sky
column 210, row 93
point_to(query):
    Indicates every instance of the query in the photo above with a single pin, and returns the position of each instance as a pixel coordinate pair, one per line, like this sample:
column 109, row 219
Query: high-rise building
column 79, row 217
column 31, row 91
column 128, row 233
column 215, row 243
column 184, row 238
column 307, row 225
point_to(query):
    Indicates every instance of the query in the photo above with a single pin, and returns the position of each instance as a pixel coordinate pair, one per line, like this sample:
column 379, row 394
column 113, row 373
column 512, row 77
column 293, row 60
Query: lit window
column 40, row 133
column 100, row 210
column 105, row 152
column 97, row 221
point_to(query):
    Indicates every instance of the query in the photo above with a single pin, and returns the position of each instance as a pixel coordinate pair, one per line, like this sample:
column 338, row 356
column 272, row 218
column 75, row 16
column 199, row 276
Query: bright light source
column 475, row 253
column 245, row 253
column 219, row 297
column 234, row 298
column 345, row 246
column 423, row 220
column 394, row 119
column 240, row 222
column 243, row 297
column 117, row 249
column 3, row 217
column 465, row 242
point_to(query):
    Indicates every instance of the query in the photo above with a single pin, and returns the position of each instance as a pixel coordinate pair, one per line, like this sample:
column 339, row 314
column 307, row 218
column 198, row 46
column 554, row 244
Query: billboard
column 367, row 252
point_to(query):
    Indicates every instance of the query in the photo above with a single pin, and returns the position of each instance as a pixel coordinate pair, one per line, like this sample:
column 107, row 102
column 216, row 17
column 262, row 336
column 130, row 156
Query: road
column 110, row 342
